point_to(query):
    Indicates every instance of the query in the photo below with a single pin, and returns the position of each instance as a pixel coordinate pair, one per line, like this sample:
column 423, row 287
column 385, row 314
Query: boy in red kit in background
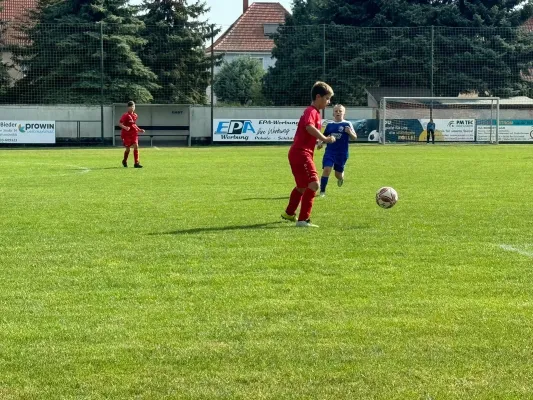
column 301, row 157
column 130, row 134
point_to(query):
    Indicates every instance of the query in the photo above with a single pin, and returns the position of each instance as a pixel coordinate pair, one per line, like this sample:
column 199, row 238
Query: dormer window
column 270, row 29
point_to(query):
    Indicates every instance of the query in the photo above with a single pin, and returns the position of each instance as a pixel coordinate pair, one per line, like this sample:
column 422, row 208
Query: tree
column 299, row 56
column 477, row 46
column 61, row 54
column 483, row 47
column 175, row 49
column 240, row 81
column 4, row 76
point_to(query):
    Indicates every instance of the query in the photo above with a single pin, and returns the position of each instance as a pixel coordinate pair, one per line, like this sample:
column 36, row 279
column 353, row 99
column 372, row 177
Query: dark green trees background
column 476, row 46
column 154, row 53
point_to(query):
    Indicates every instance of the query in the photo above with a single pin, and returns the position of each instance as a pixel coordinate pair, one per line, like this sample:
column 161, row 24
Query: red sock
column 294, row 202
column 136, row 156
column 307, row 205
column 126, row 154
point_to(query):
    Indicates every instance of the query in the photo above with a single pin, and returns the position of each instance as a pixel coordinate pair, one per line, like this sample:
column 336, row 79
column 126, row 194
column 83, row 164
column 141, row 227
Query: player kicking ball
column 130, row 135
column 301, row 157
column 336, row 153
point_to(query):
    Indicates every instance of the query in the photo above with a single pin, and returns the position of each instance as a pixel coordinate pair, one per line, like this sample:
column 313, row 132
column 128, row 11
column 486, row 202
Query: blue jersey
column 342, row 138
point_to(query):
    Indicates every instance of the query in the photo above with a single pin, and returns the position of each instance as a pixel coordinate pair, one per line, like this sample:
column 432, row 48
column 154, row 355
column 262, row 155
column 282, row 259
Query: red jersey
column 130, row 120
column 302, row 139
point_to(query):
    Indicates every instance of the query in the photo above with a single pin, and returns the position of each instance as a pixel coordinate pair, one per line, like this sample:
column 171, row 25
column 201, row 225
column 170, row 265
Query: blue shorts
column 337, row 161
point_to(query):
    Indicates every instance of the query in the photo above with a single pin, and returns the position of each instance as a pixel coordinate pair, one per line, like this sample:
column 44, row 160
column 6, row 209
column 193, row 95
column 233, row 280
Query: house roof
column 14, row 9
column 247, row 34
column 529, row 24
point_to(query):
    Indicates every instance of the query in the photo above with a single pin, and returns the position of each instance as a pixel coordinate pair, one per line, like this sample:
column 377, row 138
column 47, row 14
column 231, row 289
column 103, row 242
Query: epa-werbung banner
column 509, row 130
column 254, row 130
column 27, row 132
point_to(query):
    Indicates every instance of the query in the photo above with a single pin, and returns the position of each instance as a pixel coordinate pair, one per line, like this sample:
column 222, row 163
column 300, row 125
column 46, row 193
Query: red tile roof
column 247, row 34
column 529, row 24
column 12, row 9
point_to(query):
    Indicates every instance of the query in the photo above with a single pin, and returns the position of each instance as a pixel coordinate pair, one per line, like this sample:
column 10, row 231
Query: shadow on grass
column 95, row 169
column 266, row 198
column 207, row 229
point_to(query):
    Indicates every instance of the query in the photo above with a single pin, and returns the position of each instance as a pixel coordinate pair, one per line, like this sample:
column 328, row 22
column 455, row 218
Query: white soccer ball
column 373, row 136
column 386, row 197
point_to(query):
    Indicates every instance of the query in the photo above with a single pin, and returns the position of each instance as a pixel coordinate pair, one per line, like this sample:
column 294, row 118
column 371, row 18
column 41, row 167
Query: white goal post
column 456, row 119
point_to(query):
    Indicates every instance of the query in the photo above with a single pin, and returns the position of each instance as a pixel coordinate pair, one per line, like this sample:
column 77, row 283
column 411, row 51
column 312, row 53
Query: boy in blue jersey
column 336, row 153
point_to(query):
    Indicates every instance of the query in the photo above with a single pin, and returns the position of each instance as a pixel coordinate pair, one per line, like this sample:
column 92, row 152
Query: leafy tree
column 174, row 49
column 478, row 46
column 299, row 56
column 60, row 54
column 4, row 77
column 240, row 81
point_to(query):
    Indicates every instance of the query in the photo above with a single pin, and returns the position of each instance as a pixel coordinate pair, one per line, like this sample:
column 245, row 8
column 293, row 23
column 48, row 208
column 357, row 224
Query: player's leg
column 327, row 164
column 308, row 197
column 433, row 137
column 297, row 192
column 340, row 162
column 339, row 175
column 136, row 154
column 324, row 180
column 428, row 132
column 294, row 201
column 126, row 154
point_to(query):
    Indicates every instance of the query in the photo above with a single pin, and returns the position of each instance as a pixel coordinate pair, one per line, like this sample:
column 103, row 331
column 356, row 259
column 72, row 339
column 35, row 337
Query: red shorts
column 129, row 139
column 303, row 168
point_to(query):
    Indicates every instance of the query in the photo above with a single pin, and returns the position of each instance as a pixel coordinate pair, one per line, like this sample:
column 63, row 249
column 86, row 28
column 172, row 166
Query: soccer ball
column 386, row 197
column 373, row 136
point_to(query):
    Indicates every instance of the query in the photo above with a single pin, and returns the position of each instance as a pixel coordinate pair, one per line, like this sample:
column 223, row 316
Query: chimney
column 244, row 6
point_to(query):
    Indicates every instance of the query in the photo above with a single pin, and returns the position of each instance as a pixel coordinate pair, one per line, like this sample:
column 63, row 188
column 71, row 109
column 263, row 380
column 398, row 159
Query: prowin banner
column 27, row 132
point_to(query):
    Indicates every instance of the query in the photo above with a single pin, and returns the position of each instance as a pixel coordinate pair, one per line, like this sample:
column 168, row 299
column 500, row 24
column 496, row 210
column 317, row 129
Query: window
column 270, row 29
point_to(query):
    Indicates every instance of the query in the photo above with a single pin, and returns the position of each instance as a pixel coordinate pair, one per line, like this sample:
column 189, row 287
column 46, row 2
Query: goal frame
column 494, row 108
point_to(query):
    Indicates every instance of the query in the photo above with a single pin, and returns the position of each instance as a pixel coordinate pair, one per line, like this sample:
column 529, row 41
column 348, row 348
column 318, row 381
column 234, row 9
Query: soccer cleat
column 124, row 163
column 137, row 165
column 340, row 182
column 306, row 224
column 322, row 194
column 288, row 217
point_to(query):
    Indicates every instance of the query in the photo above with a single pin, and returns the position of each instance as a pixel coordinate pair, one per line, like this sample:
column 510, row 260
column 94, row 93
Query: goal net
column 406, row 119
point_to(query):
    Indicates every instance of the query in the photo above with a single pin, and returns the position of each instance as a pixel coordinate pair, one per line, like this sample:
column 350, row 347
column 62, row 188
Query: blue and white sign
column 27, row 132
column 510, row 130
column 254, row 130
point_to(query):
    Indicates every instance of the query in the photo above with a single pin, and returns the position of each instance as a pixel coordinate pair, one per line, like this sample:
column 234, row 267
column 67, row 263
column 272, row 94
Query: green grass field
column 179, row 281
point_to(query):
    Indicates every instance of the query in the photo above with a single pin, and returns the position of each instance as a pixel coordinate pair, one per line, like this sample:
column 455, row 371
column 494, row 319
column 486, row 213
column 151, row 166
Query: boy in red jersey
column 301, row 156
column 130, row 134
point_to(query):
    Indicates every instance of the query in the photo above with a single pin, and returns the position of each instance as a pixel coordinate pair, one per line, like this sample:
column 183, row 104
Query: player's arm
column 311, row 129
column 320, row 143
column 350, row 131
column 136, row 127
